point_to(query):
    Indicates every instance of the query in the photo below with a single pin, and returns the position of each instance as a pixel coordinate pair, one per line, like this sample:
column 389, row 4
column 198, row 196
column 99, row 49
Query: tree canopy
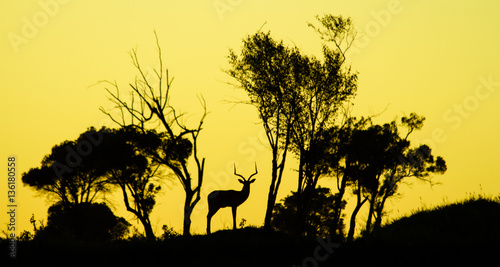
column 375, row 159
column 297, row 97
column 127, row 155
column 69, row 174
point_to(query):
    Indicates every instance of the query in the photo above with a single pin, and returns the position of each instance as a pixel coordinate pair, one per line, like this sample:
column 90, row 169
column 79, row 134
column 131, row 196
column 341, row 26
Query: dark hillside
column 242, row 247
column 464, row 232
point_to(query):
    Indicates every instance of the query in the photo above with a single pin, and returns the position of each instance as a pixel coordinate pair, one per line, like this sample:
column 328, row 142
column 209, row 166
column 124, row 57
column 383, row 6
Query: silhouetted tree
column 265, row 69
column 339, row 164
column 87, row 222
column 125, row 155
column 297, row 98
column 68, row 174
column 77, row 171
column 417, row 162
column 324, row 87
column 376, row 159
column 369, row 153
column 319, row 217
column 149, row 108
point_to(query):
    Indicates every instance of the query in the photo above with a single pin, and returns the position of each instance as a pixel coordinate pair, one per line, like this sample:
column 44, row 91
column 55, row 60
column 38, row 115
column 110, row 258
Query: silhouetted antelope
column 229, row 198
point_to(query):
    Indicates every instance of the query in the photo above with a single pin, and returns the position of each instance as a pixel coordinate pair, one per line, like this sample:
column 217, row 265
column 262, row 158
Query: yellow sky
column 439, row 59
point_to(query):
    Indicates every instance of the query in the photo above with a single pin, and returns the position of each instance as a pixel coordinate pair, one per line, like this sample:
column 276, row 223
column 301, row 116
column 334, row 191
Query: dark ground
column 461, row 234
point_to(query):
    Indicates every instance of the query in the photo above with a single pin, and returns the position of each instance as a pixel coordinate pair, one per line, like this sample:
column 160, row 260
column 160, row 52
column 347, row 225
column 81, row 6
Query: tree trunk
column 352, row 226
column 147, row 228
column 276, row 175
column 379, row 212
column 188, row 209
column 277, row 169
column 303, row 209
column 271, row 201
column 378, row 221
column 271, row 197
column 302, row 199
column 370, row 213
column 335, row 227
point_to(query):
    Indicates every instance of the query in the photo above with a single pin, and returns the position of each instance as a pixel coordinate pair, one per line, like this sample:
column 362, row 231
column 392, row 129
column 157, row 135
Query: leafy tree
column 265, row 69
column 319, row 217
column 125, row 155
column 87, row 222
column 149, row 108
column 297, row 98
column 334, row 152
column 99, row 161
column 417, row 162
column 369, row 152
column 325, row 86
column 68, row 174
column 376, row 159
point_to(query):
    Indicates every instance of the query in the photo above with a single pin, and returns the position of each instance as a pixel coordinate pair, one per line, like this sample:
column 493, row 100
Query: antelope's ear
column 253, row 180
column 241, row 181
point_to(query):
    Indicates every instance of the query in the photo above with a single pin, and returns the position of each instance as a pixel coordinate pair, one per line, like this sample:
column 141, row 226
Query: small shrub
column 168, row 232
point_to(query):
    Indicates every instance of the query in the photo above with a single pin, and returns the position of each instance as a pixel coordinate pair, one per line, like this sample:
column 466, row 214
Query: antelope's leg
column 234, row 218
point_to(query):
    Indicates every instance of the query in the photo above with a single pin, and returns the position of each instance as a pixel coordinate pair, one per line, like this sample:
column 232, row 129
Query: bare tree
column 149, row 107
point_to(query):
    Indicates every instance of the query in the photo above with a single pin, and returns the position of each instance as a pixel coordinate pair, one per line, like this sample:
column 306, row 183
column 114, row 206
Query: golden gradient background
column 428, row 57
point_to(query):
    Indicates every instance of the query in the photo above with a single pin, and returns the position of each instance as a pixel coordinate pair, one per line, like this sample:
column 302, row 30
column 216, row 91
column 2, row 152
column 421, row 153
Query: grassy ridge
column 459, row 233
column 472, row 221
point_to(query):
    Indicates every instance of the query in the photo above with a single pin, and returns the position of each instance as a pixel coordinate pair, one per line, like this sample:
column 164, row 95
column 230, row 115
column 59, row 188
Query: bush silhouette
column 85, row 222
column 319, row 217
